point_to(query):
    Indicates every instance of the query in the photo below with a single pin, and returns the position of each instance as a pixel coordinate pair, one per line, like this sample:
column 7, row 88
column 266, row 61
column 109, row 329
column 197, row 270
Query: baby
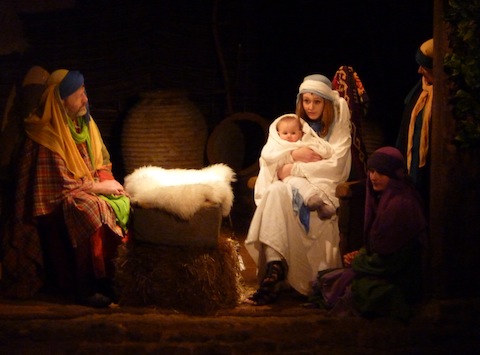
column 290, row 129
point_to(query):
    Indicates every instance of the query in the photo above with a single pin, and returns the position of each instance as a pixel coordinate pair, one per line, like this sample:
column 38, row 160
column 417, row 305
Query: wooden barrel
column 164, row 129
column 237, row 141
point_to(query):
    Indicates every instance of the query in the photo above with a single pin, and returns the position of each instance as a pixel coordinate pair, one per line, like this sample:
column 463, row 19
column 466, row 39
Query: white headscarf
column 319, row 85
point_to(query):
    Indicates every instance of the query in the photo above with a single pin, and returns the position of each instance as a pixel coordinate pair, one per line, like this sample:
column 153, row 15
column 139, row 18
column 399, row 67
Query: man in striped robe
column 64, row 179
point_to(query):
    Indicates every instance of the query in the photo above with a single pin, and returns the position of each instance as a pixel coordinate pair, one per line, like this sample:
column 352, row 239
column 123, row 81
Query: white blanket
column 181, row 192
column 326, row 174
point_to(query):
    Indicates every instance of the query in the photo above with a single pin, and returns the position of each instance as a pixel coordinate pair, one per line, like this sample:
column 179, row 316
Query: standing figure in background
column 64, row 178
column 414, row 134
column 286, row 243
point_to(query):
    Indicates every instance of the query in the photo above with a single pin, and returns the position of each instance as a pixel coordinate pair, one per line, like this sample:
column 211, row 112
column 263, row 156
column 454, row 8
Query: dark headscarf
column 387, row 161
column 396, row 216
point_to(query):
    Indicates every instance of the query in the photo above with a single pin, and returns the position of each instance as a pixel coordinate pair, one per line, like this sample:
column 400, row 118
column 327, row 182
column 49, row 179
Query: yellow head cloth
column 427, row 48
column 425, row 53
column 50, row 129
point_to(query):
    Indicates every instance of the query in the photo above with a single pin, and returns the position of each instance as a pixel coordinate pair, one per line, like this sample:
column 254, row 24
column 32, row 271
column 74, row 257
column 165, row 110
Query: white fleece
column 181, row 192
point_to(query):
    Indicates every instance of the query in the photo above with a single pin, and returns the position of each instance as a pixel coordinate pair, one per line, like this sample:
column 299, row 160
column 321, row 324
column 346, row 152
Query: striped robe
column 43, row 186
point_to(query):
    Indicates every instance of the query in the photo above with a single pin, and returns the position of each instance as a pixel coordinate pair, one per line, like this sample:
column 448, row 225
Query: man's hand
column 108, row 187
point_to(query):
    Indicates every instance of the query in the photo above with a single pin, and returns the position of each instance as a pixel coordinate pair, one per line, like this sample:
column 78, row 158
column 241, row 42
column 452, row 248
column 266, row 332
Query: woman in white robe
column 280, row 242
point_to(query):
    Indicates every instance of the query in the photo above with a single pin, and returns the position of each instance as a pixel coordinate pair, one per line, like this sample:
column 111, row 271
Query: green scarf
column 82, row 136
column 121, row 206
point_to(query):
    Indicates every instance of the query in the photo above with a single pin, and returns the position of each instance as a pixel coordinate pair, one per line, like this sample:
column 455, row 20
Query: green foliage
column 463, row 66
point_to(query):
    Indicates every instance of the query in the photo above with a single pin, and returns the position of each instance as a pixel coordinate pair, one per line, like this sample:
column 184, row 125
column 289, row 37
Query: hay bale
column 187, row 279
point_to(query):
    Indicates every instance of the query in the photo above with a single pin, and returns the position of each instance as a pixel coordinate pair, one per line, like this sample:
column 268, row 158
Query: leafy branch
column 463, row 67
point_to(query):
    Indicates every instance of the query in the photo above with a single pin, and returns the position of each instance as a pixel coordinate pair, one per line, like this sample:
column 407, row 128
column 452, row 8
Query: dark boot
column 268, row 291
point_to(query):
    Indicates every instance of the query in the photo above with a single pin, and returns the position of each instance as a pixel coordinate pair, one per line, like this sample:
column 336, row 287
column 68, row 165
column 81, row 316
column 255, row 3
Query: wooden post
column 455, row 189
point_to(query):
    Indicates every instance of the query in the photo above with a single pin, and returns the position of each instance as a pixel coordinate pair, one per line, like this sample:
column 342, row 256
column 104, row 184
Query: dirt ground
column 53, row 325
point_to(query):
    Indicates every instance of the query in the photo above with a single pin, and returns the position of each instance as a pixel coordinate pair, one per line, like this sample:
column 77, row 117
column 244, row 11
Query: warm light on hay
column 191, row 280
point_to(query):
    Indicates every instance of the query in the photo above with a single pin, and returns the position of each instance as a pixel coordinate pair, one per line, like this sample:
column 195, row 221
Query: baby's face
column 289, row 131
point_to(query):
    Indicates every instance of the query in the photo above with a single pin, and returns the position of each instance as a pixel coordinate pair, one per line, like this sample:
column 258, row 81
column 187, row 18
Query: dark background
column 229, row 56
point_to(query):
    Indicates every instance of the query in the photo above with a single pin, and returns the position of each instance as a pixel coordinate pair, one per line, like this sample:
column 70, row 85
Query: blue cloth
column 317, row 126
column 70, row 83
column 301, row 209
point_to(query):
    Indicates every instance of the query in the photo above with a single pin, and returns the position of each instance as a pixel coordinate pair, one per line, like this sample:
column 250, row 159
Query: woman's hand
column 108, row 187
column 284, row 171
column 305, row 155
column 348, row 258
